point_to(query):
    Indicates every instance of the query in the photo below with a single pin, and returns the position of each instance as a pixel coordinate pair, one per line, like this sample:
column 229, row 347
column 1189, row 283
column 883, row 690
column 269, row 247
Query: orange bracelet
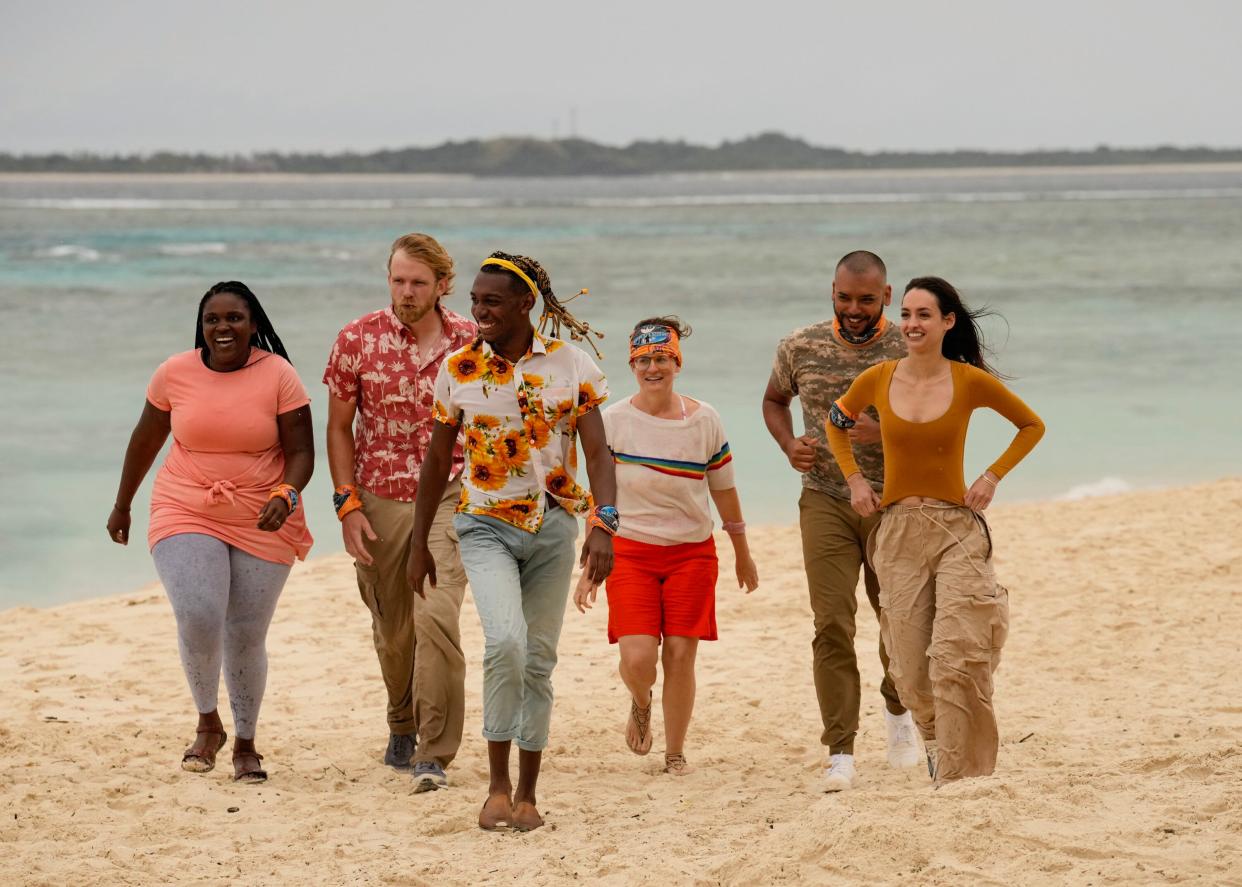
column 345, row 499
column 288, row 492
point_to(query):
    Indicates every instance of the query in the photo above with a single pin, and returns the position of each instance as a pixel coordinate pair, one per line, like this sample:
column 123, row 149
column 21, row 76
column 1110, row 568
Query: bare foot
column 525, row 817
column 497, row 812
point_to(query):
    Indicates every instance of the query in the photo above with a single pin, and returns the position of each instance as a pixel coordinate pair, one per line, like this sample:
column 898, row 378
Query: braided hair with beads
column 555, row 315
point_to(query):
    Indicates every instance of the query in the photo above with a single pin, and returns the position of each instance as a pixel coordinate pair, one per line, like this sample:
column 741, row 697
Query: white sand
column 1121, row 723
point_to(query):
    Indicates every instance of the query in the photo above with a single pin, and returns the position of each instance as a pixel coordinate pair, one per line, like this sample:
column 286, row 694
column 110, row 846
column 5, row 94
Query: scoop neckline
column 629, row 401
column 888, row 387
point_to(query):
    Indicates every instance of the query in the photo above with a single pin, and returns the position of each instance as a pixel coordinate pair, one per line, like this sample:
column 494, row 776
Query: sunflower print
column 513, row 449
column 564, row 488
column 441, row 414
column 587, row 398
column 498, row 371
column 520, row 443
column 538, row 432
column 523, row 512
column 466, row 366
column 475, row 440
column 487, row 472
column 559, row 412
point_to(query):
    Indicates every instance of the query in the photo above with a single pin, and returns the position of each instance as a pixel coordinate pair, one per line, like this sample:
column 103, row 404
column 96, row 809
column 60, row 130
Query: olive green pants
column 833, row 541
column 944, row 622
column 418, row 640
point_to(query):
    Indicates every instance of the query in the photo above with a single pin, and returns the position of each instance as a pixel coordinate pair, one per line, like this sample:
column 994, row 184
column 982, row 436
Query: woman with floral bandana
column 671, row 456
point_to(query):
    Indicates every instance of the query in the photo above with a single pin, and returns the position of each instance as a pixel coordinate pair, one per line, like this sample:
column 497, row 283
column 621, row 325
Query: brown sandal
column 641, row 719
column 242, row 772
column 676, row 765
column 203, row 761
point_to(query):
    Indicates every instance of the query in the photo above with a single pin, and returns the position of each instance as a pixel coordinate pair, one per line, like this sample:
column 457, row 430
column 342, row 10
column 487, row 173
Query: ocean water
column 1119, row 291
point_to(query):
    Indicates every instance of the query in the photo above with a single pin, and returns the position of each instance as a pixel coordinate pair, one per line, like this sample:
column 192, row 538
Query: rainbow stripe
column 675, row 467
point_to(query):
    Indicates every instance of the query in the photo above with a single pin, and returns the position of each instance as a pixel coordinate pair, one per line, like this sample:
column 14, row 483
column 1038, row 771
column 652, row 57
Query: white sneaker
column 840, row 773
column 933, row 761
column 903, row 740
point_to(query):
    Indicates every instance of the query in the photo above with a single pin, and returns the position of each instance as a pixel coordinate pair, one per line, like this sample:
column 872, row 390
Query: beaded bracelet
column 288, row 492
column 345, row 499
column 607, row 518
column 734, row 527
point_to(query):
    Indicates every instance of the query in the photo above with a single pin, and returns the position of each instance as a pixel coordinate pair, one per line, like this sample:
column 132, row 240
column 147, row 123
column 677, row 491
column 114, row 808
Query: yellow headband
column 509, row 266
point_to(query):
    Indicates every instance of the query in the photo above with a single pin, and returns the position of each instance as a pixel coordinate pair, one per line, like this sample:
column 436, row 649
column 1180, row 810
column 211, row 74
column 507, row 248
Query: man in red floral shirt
column 382, row 371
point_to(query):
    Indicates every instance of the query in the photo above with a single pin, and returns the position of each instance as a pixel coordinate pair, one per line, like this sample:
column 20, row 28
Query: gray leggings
column 223, row 599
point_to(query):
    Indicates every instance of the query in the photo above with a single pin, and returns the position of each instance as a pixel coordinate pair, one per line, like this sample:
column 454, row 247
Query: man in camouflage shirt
column 817, row 364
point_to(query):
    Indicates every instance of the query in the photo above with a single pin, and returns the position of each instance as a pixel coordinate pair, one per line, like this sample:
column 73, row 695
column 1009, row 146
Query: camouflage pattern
column 816, row 366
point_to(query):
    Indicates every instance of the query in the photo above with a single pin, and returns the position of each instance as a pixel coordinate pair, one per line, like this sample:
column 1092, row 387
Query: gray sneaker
column 428, row 776
column 400, row 750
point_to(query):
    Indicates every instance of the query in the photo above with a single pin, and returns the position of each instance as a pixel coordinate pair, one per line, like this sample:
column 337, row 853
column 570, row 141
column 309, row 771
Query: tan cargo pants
column 418, row 640
column 944, row 620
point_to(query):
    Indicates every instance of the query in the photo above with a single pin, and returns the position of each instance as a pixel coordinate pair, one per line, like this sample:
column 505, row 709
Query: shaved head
column 860, row 262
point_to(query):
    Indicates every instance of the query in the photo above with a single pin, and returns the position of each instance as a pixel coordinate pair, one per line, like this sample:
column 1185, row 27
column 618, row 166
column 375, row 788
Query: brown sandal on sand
column 243, row 772
column 638, row 729
column 676, row 765
column 203, row 761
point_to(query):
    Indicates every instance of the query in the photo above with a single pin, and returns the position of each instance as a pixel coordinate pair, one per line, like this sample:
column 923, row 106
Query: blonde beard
column 409, row 316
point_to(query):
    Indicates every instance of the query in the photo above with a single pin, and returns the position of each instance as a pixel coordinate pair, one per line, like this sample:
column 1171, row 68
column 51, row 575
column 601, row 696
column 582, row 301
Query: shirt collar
column 538, row 345
column 456, row 327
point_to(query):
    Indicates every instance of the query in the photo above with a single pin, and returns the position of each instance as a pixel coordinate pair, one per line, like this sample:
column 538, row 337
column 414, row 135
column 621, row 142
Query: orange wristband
column 289, row 493
column 345, row 499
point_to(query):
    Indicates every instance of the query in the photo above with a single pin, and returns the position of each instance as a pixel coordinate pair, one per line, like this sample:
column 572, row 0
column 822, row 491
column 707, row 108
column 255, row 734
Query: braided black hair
column 555, row 314
column 264, row 334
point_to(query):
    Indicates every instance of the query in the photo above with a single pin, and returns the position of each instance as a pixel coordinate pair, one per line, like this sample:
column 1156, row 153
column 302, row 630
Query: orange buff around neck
column 655, row 339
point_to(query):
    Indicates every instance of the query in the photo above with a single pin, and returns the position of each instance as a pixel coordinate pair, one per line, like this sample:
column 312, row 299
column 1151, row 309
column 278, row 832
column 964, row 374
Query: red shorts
column 662, row 590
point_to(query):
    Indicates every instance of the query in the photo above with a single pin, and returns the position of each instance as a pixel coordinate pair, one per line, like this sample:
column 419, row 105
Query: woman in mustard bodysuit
column 944, row 617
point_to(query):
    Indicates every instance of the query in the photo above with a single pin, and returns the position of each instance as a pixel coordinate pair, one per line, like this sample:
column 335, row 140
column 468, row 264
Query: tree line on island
column 572, row 157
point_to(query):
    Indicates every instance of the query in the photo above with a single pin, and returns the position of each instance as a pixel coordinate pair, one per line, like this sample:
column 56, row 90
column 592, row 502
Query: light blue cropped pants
column 520, row 584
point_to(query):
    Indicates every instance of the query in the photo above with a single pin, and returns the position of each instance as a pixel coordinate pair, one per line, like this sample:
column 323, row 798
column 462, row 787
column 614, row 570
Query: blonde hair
column 427, row 250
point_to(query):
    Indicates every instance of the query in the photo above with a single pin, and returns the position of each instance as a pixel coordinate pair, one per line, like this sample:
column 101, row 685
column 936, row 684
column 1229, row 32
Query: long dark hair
column 264, row 335
column 964, row 340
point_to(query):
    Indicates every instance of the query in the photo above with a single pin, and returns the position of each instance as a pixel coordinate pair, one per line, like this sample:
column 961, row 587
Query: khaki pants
column 944, row 621
column 418, row 640
column 833, row 539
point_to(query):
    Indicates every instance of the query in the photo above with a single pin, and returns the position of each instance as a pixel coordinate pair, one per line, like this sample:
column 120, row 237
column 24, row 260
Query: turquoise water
column 1119, row 289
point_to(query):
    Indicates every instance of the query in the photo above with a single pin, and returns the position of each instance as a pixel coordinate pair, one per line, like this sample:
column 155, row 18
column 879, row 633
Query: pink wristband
column 734, row 527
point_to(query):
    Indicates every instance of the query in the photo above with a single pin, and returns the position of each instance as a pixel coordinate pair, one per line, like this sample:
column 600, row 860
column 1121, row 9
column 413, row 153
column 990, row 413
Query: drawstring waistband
column 922, row 507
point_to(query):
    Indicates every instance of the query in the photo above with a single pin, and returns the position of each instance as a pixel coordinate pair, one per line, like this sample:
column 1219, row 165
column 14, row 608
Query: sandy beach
column 1121, row 727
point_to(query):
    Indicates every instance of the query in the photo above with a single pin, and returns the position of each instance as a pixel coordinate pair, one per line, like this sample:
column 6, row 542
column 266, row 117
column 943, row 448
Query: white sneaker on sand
column 933, row 761
column 903, row 741
column 840, row 773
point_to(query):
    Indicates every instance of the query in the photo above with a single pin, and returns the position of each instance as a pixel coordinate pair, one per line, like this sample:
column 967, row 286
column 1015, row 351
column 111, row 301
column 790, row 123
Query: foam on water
column 1105, row 486
column 652, row 202
column 70, row 251
column 193, row 249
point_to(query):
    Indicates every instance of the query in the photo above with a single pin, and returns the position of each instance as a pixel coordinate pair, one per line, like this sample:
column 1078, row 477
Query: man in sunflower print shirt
column 520, row 400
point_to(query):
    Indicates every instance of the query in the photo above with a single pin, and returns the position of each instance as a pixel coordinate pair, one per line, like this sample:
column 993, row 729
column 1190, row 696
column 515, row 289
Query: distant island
column 578, row 157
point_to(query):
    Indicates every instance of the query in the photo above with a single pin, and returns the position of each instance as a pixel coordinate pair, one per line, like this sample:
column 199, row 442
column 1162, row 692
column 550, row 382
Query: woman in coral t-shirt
column 225, row 518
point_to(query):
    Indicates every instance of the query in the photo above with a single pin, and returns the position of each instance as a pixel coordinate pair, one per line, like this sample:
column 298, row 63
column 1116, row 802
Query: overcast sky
column 228, row 76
